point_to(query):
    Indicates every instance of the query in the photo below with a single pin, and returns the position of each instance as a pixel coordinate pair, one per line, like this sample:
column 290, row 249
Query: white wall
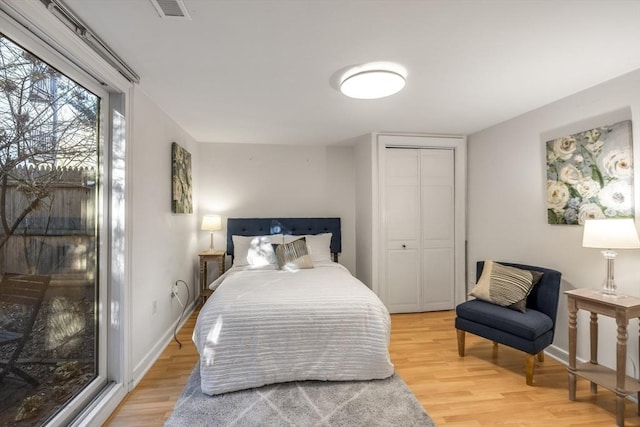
column 507, row 203
column 163, row 245
column 257, row 180
column 366, row 210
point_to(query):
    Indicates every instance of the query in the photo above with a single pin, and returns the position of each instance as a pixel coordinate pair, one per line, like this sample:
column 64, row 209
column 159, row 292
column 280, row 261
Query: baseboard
column 558, row 354
column 147, row 362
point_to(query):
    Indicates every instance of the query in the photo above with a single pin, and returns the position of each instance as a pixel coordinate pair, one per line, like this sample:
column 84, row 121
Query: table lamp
column 211, row 223
column 609, row 234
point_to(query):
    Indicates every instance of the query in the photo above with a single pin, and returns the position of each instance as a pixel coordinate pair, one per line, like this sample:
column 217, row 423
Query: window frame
column 29, row 24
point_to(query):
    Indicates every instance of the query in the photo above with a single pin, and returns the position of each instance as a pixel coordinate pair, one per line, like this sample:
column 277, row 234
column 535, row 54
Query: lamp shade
column 610, row 234
column 211, row 223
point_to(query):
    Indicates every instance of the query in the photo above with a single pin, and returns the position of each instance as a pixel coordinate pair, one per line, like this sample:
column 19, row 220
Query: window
column 52, row 210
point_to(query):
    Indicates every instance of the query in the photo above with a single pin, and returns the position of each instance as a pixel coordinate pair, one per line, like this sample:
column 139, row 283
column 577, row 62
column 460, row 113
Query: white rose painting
column 590, row 175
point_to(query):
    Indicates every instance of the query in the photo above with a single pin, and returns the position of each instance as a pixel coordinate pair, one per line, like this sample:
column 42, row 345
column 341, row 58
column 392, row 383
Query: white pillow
column 318, row 245
column 254, row 250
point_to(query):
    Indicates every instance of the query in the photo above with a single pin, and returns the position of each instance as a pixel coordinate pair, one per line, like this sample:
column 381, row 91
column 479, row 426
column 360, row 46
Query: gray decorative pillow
column 293, row 255
column 506, row 286
column 522, row 304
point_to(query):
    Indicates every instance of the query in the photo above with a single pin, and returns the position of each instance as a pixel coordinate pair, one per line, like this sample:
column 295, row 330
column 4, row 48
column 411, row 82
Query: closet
column 410, row 219
column 419, row 223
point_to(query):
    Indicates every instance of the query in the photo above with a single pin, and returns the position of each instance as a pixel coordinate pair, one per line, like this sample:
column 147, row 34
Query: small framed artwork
column 181, row 197
column 590, row 175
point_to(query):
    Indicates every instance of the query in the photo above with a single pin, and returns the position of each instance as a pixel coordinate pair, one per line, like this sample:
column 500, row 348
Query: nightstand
column 206, row 257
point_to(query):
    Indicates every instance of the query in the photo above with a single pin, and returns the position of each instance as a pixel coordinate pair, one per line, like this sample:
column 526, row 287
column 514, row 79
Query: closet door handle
column 404, row 246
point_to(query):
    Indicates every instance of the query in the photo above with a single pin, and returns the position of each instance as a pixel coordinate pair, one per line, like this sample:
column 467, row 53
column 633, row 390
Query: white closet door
column 437, row 219
column 402, row 207
column 419, row 207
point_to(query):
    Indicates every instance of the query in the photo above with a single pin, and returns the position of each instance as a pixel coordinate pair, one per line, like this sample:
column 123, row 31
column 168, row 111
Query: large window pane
column 49, row 208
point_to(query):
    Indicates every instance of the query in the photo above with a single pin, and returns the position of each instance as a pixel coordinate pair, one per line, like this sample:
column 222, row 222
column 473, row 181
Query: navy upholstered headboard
column 295, row 226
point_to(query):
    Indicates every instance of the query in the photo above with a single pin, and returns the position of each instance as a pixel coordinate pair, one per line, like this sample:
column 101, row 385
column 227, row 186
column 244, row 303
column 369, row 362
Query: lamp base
column 609, row 287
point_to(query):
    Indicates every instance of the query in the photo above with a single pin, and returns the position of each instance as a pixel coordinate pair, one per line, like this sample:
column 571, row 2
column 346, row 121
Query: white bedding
column 264, row 326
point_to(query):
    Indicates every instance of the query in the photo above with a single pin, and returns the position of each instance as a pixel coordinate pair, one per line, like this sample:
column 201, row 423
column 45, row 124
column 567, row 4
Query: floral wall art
column 590, row 175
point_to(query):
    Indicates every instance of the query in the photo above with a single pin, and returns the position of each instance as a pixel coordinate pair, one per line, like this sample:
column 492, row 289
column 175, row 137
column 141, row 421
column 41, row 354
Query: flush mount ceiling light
column 373, row 80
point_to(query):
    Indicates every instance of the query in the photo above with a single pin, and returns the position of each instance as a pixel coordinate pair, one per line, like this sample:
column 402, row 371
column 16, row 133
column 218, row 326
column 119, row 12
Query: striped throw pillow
column 503, row 285
column 293, row 255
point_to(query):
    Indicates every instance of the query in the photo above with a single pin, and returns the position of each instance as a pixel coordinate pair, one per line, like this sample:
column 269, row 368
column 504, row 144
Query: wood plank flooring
column 484, row 388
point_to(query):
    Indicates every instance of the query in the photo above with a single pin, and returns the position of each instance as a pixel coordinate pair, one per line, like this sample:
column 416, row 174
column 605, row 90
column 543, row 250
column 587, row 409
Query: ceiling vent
column 171, row 8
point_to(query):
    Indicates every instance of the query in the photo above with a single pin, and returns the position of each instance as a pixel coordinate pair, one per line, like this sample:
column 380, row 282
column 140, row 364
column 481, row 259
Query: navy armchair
column 530, row 332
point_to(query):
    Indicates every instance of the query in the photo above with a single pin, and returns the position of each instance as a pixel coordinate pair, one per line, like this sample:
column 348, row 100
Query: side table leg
column 621, row 366
column 593, row 346
column 620, row 411
column 221, row 266
column 572, row 348
column 572, row 386
column 203, row 278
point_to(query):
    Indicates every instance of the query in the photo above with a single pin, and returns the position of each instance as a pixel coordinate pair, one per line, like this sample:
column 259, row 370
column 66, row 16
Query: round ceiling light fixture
column 373, row 80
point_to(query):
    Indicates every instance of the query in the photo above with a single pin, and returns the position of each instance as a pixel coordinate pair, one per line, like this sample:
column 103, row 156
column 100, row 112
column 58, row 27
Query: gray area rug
column 385, row 402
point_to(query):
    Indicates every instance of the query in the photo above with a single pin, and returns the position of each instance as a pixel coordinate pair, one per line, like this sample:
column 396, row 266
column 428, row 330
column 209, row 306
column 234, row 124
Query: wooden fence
column 59, row 237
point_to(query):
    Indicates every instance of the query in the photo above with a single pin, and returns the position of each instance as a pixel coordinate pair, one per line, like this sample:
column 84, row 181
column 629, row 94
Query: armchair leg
column 461, row 336
column 494, row 350
column 541, row 356
column 529, row 365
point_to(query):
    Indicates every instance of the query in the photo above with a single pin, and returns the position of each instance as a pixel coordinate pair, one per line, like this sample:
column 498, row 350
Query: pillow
column 255, row 251
column 293, row 255
column 318, row 245
column 522, row 304
column 503, row 285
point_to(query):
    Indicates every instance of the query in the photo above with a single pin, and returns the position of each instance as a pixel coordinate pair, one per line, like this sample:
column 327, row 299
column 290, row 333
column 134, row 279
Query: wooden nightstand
column 206, row 257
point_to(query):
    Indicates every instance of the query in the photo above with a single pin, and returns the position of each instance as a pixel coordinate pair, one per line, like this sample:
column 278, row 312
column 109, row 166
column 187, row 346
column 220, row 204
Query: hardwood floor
column 484, row 388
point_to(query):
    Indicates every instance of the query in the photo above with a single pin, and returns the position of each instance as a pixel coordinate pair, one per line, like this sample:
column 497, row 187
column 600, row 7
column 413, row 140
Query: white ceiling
column 263, row 71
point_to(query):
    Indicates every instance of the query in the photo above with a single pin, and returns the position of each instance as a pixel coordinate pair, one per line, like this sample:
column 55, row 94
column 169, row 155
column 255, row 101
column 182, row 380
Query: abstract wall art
column 181, row 197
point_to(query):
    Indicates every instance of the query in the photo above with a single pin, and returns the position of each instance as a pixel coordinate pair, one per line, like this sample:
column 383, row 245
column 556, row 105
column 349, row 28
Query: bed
column 269, row 322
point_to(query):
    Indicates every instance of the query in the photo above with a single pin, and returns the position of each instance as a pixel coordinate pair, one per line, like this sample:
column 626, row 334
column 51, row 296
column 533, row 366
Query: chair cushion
column 529, row 325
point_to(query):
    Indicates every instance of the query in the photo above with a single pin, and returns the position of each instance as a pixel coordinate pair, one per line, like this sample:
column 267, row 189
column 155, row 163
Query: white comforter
column 267, row 326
